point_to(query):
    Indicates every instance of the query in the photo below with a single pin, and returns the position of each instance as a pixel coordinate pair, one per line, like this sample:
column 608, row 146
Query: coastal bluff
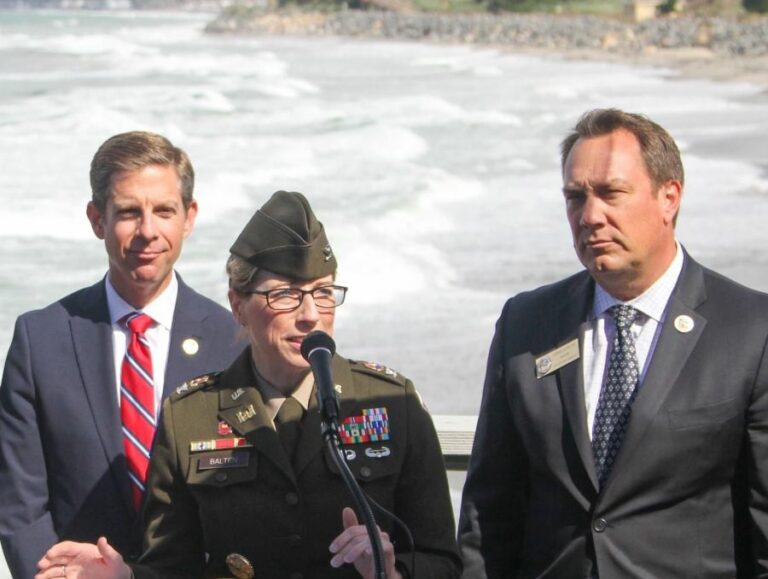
column 723, row 48
column 721, row 35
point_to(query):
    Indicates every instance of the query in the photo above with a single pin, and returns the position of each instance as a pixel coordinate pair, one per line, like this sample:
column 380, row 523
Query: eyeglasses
column 326, row 297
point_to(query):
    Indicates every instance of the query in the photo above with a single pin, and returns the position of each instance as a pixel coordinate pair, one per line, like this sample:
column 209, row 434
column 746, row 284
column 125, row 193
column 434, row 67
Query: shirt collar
column 273, row 398
column 160, row 309
column 653, row 301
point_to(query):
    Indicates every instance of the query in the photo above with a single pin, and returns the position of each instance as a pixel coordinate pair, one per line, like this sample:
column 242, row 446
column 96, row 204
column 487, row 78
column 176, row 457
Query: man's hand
column 353, row 546
column 83, row 561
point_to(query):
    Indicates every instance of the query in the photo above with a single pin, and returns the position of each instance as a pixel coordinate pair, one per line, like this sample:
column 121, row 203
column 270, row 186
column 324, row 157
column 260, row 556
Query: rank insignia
column 371, row 426
column 200, row 381
column 223, row 428
column 218, row 444
column 380, row 368
column 192, row 385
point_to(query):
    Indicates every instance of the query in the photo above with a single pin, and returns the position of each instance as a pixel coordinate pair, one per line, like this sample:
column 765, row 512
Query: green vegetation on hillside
column 609, row 8
column 756, row 6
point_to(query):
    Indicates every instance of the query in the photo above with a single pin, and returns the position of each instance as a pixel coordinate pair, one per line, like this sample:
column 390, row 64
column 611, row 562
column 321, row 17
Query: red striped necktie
column 137, row 403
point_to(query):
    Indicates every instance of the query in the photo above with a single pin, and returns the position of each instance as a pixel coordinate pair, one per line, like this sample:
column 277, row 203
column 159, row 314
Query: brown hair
column 133, row 151
column 658, row 148
column 240, row 273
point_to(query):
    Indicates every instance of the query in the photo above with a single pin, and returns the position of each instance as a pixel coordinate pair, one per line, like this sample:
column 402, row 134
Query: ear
column 670, row 194
column 96, row 219
column 235, row 302
column 189, row 218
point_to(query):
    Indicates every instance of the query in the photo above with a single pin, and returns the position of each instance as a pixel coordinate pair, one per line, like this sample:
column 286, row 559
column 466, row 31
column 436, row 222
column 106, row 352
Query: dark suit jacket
column 688, row 493
column 203, row 506
column 62, row 466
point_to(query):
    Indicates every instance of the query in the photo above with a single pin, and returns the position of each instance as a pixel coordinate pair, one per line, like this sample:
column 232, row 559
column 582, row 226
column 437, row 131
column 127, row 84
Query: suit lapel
column 242, row 407
column 188, row 324
column 669, row 358
column 572, row 324
column 92, row 340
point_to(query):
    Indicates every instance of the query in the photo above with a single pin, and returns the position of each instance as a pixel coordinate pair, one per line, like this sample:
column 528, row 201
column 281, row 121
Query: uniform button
column 292, row 499
column 600, row 525
column 221, row 476
column 295, row 540
column 365, row 472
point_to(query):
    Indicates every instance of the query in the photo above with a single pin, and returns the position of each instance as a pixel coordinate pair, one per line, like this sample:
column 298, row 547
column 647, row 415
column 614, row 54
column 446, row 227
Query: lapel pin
column 543, row 365
column 337, row 388
column 190, row 346
column 684, row 324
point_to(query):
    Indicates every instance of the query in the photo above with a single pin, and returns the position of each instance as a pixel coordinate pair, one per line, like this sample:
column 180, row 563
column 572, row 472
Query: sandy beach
column 687, row 62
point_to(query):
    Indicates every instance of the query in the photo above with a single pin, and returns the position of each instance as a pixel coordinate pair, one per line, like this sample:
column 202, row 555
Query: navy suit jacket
column 688, row 493
column 63, row 472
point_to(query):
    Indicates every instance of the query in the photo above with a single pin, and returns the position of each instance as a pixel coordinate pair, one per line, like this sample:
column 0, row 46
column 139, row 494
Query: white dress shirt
column 159, row 335
column 601, row 329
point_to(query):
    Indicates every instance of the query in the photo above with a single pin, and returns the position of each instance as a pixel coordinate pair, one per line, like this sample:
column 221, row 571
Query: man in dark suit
column 64, row 439
column 624, row 422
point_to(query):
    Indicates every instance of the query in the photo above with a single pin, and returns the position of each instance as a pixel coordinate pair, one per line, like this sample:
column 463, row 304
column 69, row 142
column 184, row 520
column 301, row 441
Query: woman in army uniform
column 240, row 482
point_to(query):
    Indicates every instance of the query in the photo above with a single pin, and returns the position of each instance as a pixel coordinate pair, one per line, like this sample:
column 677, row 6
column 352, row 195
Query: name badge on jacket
column 555, row 359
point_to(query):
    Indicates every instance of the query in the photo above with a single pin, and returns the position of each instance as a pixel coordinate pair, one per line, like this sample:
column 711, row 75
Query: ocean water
column 434, row 168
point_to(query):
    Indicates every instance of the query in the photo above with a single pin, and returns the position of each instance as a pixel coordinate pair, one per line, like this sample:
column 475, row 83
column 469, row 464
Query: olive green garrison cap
column 285, row 237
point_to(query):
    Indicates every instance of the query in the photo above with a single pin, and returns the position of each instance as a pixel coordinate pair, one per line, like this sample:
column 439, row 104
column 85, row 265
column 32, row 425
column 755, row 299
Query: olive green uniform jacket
column 205, row 505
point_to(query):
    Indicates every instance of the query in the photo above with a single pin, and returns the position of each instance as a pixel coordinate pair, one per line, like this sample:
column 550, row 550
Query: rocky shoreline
column 722, row 48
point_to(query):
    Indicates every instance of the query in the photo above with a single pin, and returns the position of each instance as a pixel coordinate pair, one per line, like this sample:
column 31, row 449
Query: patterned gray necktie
column 617, row 394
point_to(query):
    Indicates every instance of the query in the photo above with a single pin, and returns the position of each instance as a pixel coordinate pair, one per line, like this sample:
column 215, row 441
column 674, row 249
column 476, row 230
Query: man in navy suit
column 63, row 467
column 623, row 431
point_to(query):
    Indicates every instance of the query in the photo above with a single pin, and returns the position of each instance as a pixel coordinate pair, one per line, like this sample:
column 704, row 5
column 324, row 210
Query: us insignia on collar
column 370, row 426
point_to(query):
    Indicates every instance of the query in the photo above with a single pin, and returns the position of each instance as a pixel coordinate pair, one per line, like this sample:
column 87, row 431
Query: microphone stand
column 333, row 443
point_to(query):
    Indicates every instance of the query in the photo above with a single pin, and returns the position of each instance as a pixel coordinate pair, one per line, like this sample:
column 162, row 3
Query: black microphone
column 318, row 348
